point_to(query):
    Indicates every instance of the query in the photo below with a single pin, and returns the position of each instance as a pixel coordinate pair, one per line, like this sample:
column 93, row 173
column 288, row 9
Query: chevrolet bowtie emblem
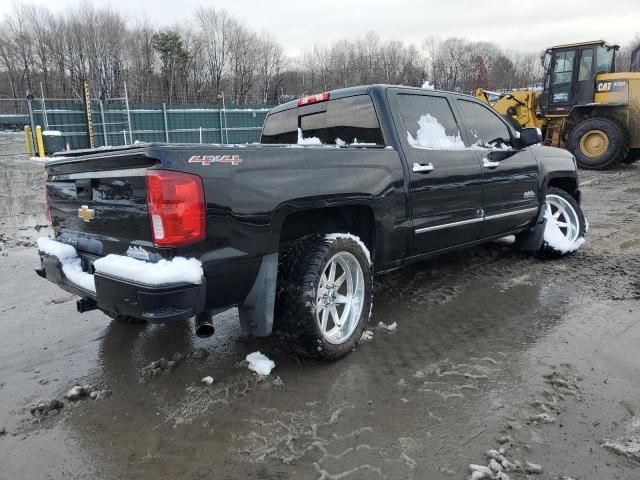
column 86, row 214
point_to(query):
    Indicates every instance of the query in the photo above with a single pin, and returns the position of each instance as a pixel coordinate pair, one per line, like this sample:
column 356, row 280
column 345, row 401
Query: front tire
column 564, row 211
column 324, row 294
column 599, row 143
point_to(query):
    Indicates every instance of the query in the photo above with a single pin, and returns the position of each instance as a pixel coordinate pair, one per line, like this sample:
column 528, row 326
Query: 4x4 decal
column 209, row 159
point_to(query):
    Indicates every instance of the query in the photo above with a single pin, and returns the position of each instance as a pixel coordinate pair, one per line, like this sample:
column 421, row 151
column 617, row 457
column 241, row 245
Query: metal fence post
column 31, row 120
column 44, row 108
column 220, row 120
column 104, row 125
column 126, row 101
column 166, row 125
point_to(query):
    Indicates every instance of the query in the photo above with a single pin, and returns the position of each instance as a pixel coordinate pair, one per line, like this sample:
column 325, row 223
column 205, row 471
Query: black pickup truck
column 344, row 184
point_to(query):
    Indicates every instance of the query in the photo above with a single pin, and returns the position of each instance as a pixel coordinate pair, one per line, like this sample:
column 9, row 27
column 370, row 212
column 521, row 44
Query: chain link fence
column 116, row 122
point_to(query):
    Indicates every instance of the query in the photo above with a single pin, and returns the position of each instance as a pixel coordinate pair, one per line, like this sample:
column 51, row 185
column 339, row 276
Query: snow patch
column 176, row 270
column 71, row 264
column 307, row 141
column 431, row 135
column 260, row 363
column 367, row 336
column 57, row 249
column 72, row 269
column 334, row 236
column 629, row 444
column 556, row 239
column 427, row 85
column 388, row 328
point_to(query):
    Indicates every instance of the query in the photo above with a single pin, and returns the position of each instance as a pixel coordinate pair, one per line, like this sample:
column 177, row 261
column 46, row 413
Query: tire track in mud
column 325, row 442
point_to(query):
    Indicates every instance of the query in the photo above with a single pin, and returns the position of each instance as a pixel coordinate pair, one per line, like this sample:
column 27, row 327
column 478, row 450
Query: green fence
column 116, row 123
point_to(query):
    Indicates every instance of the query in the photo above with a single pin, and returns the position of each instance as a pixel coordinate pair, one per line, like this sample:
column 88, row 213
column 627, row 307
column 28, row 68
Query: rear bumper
column 154, row 303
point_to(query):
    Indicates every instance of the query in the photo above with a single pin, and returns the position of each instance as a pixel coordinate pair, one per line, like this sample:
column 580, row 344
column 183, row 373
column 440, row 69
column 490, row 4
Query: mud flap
column 256, row 313
column 532, row 240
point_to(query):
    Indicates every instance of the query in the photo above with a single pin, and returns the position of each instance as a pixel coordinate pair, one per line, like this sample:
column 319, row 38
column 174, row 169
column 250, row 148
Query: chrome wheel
column 340, row 297
column 564, row 215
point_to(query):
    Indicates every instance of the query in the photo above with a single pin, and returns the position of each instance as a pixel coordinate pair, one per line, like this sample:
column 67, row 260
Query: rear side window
column 350, row 120
column 353, row 120
column 281, row 127
column 485, row 127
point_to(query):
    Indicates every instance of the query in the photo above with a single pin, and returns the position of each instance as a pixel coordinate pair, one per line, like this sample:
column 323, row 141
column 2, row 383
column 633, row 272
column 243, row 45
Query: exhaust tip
column 205, row 330
column 203, row 325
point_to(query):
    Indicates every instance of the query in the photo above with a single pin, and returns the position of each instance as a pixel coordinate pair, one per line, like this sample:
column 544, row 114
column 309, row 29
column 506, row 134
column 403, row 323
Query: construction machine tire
column 599, row 143
column 632, row 156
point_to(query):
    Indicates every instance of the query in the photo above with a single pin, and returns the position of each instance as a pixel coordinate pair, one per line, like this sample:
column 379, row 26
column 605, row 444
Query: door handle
column 422, row 167
column 488, row 163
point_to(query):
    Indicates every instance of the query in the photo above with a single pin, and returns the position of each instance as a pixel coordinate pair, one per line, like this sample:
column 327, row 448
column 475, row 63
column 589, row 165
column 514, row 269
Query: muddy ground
column 493, row 348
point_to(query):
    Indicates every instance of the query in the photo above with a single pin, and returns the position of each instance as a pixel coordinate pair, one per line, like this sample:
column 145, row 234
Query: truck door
column 509, row 176
column 445, row 177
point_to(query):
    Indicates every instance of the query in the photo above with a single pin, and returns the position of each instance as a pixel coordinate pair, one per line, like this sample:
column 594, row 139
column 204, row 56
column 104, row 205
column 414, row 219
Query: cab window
column 604, row 59
column 486, row 129
column 562, row 67
column 585, row 72
column 428, row 122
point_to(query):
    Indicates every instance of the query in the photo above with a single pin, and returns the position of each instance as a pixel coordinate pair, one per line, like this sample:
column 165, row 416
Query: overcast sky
column 530, row 25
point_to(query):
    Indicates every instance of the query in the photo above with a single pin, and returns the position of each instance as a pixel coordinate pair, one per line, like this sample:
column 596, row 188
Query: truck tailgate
column 98, row 202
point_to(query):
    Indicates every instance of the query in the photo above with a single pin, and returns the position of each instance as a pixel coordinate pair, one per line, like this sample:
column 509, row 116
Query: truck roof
column 350, row 92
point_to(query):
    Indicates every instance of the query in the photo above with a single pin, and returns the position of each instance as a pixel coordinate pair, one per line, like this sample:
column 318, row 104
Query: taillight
column 317, row 98
column 176, row 205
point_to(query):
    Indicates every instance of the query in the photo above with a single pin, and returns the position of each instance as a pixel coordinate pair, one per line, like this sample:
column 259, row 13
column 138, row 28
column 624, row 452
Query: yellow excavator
column 583, row 106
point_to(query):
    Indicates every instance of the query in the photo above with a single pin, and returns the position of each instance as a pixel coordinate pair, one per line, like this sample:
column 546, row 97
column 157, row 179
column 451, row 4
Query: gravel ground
column 493, row 349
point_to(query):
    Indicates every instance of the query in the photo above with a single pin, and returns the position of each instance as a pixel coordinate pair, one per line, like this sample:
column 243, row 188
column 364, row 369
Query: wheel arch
column 355, row 218
column 566, row 181
column 579, row 113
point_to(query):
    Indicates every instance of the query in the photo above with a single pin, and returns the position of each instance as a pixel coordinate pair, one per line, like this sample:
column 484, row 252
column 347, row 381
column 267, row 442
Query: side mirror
column 529, row 136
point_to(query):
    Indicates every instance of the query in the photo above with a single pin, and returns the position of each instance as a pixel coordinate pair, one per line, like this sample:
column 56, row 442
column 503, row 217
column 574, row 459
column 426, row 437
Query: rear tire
column 599, row 143
column 325, row 314
column 570, row 214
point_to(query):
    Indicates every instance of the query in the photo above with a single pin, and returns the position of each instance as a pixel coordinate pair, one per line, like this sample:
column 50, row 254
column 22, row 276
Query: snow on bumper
column 166, row 290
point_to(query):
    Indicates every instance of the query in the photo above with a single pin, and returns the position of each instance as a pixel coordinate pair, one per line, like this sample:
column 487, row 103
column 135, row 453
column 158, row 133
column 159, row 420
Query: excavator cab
column 570, row 72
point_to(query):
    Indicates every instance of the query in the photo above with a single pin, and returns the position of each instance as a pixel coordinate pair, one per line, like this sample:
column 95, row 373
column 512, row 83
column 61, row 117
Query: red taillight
column 308, row 100
column 176, row 208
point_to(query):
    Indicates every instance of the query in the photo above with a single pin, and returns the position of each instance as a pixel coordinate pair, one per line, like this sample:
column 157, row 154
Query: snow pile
column 177, row 270
column 334, row 236
column 342, row 143
column 388, row 328
column 629, row 444
column 260, row 363
column 307, row 141
column 57, row 249
column 555, row 239
column 427, row 85
column 71, row 264
column 367, row 335
column 431, row 135
column 72, row 269
column 499, row 465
